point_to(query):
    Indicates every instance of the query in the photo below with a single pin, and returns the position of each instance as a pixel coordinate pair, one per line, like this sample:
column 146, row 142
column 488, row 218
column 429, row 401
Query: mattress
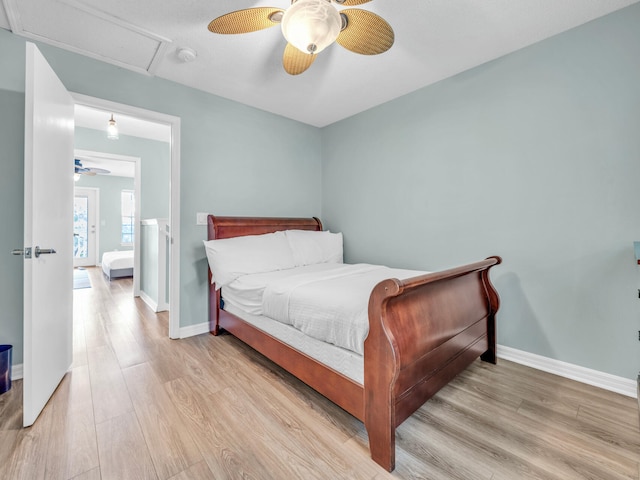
column 246, row 291
column 118, row 264
column 343, row 361
column 117, row 260
column 327, row 302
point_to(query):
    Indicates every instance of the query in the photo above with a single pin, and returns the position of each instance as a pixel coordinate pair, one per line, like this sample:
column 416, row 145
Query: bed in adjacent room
column 117, row 264
column 376, row 341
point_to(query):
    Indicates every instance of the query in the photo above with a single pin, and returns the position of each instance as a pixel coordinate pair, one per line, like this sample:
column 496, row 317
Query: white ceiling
column 435, row 39
column 97, row 119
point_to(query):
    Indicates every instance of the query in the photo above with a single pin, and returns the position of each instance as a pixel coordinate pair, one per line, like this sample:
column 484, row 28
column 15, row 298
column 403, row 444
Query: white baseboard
column 596, row 378
column 17, row 372
column 193, row 330
column 153, row 305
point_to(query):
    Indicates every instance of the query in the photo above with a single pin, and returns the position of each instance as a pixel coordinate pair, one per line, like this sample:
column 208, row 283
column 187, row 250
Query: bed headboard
column 228, row 227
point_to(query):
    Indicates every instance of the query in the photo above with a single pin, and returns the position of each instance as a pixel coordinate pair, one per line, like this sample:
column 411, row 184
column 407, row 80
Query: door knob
column 43, row 251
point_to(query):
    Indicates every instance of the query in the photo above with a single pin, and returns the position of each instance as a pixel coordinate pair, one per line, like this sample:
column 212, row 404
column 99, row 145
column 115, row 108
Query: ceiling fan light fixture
column 112, row 129
column 276, row 17
column 311, row 25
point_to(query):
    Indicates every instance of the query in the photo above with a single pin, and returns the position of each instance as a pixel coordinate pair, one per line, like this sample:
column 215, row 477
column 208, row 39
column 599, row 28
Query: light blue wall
column 535, row 157
column 11, row 214
column 155, row 166
column 230, row 163
column 110, row 211
column 149, row 261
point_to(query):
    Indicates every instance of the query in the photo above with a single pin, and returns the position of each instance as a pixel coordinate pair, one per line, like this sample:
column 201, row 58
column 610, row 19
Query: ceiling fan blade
column 247, row 20
column 100, row 171
column 351, row 3
column 294, row 61
column 366, row 33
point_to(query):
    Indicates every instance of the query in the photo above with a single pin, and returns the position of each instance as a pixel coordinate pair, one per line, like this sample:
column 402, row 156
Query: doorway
column 173, row 232
column 85, row 227
column 123, row 175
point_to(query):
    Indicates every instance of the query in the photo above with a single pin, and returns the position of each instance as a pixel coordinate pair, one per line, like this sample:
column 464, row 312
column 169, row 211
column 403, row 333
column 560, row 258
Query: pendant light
column 112, row 129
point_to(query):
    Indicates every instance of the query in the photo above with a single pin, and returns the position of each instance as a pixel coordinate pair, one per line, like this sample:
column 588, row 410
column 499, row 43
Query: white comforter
column 117, row 259
column 328, row 303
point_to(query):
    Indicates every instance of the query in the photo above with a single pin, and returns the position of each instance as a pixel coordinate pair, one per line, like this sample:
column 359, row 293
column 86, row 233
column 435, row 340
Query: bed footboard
column 423, row 331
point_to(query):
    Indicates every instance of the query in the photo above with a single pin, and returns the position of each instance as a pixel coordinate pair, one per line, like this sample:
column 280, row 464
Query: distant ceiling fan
column 91, row 171
column 309, row 26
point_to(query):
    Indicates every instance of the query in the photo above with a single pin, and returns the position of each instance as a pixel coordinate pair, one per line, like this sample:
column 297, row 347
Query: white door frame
column 96, row 220
column 137, row 198
column 174, row 209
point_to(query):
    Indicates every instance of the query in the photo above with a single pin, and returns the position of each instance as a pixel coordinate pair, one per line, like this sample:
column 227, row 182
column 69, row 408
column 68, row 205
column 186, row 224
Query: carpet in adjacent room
column 81, row 278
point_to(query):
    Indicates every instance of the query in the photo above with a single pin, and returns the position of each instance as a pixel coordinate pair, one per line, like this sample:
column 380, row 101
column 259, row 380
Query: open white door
column 48, row 226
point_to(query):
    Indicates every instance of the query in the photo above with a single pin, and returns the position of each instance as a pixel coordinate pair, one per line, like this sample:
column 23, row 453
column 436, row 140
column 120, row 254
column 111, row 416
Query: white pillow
column 230, row 258
column 311, row 247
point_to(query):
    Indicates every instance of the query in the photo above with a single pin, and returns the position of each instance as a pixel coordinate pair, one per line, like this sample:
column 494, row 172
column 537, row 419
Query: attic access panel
column 70, row 25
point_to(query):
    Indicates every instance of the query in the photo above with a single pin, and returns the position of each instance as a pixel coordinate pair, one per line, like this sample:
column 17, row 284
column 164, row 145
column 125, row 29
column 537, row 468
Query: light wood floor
column 137, row 405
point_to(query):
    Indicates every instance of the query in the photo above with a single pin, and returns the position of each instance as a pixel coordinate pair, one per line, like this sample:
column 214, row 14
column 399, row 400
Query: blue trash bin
column 5, row 367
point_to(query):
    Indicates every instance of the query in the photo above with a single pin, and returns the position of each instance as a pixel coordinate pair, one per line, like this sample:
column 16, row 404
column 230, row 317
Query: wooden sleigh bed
column 422, row 332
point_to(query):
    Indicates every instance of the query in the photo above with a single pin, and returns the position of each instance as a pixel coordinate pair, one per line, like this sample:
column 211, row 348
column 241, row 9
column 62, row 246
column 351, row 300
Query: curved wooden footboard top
column 423, row 331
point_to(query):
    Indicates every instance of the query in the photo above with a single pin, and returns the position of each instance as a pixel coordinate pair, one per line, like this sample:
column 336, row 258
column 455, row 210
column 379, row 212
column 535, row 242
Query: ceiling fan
column 309, row 26
column 91, row 171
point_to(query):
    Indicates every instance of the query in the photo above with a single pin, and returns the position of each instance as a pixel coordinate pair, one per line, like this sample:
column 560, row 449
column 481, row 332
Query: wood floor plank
column 621, row 421
column 168, row 361
column 446, row 454
column 79, row 343
column 227, row 455
column 109, row 391
column 127, row 350
column 11, row 407
column 72, row 442
column 285, row 438
column 95, row 334
column 171, row 446
column 554, row 385
column 207, row 373
column 595, row 440
column 28, row 461
column 556, row 451
column 256, row 375
column 8, row 447
column 93, row 474
column 199, row 471
column 496, row 384
column 123, row 451
column 277, row 381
